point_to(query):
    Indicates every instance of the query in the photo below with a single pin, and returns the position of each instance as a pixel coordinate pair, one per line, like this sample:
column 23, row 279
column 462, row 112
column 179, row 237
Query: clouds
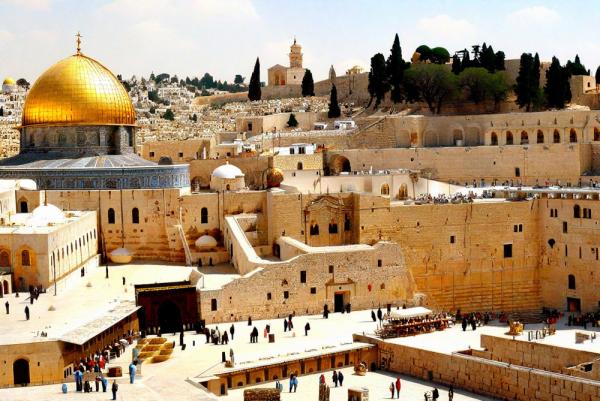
column 445, row 27
column 534, row 15
column 28, row 4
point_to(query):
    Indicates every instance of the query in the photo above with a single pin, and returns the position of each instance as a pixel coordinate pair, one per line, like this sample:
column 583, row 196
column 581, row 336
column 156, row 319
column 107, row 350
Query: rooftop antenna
column 78, row 36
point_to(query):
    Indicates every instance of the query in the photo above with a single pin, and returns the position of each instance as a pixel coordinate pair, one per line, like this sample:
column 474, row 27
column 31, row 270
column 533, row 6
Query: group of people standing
column 336, row 377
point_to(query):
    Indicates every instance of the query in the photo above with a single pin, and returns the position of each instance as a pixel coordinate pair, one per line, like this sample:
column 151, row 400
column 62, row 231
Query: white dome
column 121, row 255
column 26, row 184
column 227, row 171
column 121, row 252
column 206, row 241
column 46, row 214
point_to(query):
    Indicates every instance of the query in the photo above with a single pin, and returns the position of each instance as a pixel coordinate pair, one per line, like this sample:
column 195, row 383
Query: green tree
column 456, row 66
column 395, row 67
column 475, row 82
column 487, row 58
column 432, row 83
column 169, row 115
column 576, row 68
column 528, row 81
column 424, row 53
column 254, row 91
column 557, row 89
column 439, row 55
column 161, row 77
column 378, row 80
column 152, row 77
column 499, row 61
column 308, row 85
column 207, row 81
column 22, row 82
column 292, row 122
column 466, row 60
column 153, row 96
column 334, row 107
column 238, row 80
column 498, row 87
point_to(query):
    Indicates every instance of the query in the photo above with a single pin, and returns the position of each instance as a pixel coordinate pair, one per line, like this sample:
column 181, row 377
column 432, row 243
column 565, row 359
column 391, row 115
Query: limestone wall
column 482, row 376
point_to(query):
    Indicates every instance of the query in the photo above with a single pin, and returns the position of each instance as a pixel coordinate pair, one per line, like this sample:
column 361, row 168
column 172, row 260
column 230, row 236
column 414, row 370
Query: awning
column 417, row 311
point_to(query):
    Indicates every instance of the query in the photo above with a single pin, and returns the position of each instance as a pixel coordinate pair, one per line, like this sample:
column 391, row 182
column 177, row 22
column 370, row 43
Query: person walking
column 104, row 384
column 291, row 382
column 322, row 379
column 232, row 331
column 115, row 388
column 97, row 382
column 335, row 378
column 7, row 306
column 398, row 386
column 341, row 378
column 225, row 338
column 373, row 316
column 132, row 369
column 392, row 388
column 435, row 394
column 450, row 393
column 78, row 380
column 27, row 312
column 285, row 325
column 295, row 379
column 464, row 324
column 379, row 314
column 306, row 328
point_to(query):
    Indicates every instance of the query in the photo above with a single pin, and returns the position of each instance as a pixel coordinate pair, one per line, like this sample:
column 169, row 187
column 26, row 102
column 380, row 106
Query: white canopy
column 417, row 311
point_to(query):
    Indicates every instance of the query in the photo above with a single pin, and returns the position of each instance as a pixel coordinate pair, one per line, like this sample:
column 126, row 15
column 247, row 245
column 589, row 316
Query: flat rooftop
column 83, row 306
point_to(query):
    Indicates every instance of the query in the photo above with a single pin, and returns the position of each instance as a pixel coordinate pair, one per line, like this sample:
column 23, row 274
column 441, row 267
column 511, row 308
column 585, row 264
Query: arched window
column 333, row 228
column 111, row 216
column 227, row 187
column 25, row 260
column 135, row 215
column 509, row 138
column 524, row 138
column 576, row 211
column 4, row 259
column 556, row 136
column 540, row 136
column 314, row 229
column 204, row 216
column 596, row 134
column 300, row 166
column 385, row 189
column 573, row 136
column 571, row 282
column 494, row 138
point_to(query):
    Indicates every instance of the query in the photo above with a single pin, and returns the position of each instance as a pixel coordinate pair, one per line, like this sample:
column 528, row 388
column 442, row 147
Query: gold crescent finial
column 78, row 36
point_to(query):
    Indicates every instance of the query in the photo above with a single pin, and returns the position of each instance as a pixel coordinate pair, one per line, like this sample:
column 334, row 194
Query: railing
column 186, row 247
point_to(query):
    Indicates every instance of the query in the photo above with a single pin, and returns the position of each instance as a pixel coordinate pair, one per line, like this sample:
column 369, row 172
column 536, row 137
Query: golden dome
column 78, row 91
column 8, row 81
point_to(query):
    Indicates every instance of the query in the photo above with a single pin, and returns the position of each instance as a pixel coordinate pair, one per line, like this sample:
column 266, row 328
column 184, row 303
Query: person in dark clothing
column 207, row 334
column 225, row 338
column 450, row 393
column 7, row 306
column 373, row 316
column 341, row 378
column 123, row 280
column 473, row 324
column 335, row 378
column 27, row 312
column 115, row 388
column 379, row 314
column 325, row 312
column 285, row 325
column 306, row 328
column 249, row 321
column 464, row 324
column 232, row 331
column 435, row 394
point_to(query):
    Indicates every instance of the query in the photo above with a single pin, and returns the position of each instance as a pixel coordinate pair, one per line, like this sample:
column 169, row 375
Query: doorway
column 169, row 317
column 21, row 372
column 573, row 304
column 339, row 301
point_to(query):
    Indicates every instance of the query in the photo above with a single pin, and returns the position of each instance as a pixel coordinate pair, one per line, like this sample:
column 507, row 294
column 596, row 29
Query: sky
column 224, row 37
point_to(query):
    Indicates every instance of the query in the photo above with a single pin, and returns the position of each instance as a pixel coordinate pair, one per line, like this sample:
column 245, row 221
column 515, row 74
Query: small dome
column 274, row 177
column 227, row 171
column 46, row 214
column 27, row 184
column 9, row 81
column 206, row 241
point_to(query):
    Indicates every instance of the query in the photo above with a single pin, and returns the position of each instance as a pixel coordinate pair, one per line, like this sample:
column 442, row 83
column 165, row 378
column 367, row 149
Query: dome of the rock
column 78, row 90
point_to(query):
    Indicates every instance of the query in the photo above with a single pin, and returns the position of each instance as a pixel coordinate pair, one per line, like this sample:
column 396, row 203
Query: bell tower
column 295, row 55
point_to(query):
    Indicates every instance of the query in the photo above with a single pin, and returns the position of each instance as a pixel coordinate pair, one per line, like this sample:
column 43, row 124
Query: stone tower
column 295, row 55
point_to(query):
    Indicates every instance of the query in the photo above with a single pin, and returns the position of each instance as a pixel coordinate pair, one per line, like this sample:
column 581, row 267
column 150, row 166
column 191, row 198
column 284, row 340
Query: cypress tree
column 466, row 60
column 378, row 83
column 499, row 61
column 292, row 122
column 456, row 67
column 395, row 71
column 334, row 107
column 598, row 75
column 254, row 91
column 308, row 85
column 528, row 81
column 554, row 89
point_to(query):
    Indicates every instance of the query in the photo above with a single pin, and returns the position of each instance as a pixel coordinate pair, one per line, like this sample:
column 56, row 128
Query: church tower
column 295, row 55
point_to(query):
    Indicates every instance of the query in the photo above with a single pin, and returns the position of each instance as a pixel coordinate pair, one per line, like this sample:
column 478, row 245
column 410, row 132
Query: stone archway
column 169, row 317
column 21, row 372
column 340, row 164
